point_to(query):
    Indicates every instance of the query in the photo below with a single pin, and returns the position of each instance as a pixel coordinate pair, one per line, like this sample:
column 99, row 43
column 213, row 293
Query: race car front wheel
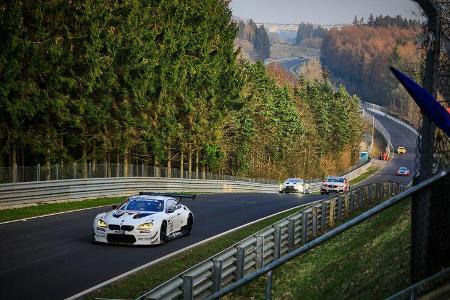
column 163, row 233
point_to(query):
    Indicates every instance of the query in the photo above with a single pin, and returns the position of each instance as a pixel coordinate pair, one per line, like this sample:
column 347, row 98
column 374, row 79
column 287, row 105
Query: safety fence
column 269, row 245
column 108, row 170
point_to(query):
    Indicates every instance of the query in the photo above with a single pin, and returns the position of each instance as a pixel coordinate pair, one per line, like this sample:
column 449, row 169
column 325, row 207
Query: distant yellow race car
column 401, row 150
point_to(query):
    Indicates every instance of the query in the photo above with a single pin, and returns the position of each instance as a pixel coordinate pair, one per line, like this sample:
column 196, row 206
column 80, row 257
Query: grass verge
column 144, row 280
column 372, row 170
column 370, row 261
column 51, row 208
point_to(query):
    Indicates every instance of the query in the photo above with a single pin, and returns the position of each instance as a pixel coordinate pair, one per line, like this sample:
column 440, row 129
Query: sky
column 325, row 12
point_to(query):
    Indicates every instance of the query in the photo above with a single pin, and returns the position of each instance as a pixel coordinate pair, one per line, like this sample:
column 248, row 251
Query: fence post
column 240, row 263
column 260, row 251
column 332, row 212
column 38, row 172
column 57, row 171
column 277, row 239
column 314, row 221
column 269, row 286
column 304, row 227
column 142, row 170
column 106, row 169
column 14, row 173
column 188, row 287
column 291, row 234
column 339, row 215
column 74, row 170
column 217, row 274
column 323, row 220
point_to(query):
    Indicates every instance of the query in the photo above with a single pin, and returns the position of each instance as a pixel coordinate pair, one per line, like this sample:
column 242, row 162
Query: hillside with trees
column 253, row 41
column 359, row 57
column 159, row 83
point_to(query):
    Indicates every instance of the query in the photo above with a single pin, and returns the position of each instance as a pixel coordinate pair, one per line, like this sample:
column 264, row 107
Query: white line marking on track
column 178, row 252
column 53, row 214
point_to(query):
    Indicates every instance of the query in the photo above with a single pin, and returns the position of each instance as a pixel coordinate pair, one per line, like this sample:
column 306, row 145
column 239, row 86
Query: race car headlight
column 101, row 224
column 145, row 226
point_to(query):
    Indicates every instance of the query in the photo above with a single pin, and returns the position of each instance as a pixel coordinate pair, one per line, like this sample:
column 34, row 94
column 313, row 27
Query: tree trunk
column 156, row 166
column 125, row 164
column 181, row 164
column 14, row 163
column 190, row 164
column 196, row 164
column 169, row 163
column 204, row 171
column 84, row 160
column 117, row 165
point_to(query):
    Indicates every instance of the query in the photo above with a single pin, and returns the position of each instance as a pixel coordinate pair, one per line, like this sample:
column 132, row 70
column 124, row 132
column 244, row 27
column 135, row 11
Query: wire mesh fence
column 78, row 171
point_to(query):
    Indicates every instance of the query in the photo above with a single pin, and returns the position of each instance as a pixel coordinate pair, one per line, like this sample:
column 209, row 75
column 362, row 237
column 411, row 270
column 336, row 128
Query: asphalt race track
column 54, row 258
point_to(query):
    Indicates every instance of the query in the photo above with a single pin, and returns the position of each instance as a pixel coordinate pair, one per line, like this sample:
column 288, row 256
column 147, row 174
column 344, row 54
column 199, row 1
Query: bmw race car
column 294, row 185
column 334, row 184
column 144, row 219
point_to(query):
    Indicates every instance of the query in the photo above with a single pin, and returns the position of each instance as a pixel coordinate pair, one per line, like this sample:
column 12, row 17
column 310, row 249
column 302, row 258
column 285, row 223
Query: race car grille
column 113, row 227
column 120, row 238
column 127, row 227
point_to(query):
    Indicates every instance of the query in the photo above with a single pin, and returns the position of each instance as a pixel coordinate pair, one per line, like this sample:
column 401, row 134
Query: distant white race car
column 334, row 184
column 294, row 185
column 145, row 219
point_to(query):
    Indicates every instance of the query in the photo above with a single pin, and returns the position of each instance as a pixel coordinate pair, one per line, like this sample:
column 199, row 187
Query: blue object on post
column 427, row 103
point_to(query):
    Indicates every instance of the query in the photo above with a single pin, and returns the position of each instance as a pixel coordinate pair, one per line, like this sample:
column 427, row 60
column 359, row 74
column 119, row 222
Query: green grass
column 50, row 208
column 144, row 280
column 278, row 51
column 370, row 261
column 372, row 170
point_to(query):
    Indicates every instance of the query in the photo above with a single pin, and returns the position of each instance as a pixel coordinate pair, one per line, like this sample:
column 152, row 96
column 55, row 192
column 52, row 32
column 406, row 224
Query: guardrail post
column 38, row 172
column 323, row 220
column 269, row 286
column 240, row 263
column 314, row 221
column 188, row 287
column 339, row 212
column 277, row 240
column 260, row 251
column 291, row 234
column 304, row 227
column 217, row 274
column 361, row 197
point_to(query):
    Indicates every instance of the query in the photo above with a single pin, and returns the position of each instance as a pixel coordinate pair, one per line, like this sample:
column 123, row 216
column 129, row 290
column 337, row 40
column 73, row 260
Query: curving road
column 53, row 257
column 292, row 64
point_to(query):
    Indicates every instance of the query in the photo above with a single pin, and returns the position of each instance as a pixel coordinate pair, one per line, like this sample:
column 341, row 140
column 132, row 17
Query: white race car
column 334, row 184
column 294, row 185
column 145, row 219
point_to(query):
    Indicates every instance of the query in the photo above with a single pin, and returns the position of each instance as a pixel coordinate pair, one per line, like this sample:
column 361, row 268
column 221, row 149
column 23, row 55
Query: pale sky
column 320, row 11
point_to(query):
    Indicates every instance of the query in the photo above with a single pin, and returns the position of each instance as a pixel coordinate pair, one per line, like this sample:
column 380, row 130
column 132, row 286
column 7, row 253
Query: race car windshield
column 294, row 181
column 333, row 179
column 143, row 205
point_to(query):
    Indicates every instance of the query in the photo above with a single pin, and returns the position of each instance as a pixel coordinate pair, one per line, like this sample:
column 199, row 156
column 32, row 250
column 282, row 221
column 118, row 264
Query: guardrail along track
column 269, row 244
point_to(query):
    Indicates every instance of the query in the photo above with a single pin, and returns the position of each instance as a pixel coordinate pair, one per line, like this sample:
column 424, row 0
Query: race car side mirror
column 170, row 210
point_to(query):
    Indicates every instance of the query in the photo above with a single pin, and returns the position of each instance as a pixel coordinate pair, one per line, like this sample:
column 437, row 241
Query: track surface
column 53, row 257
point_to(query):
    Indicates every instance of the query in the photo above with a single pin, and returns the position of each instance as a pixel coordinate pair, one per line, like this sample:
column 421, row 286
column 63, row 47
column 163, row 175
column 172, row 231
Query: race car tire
column 163, row 233
column 186, row 230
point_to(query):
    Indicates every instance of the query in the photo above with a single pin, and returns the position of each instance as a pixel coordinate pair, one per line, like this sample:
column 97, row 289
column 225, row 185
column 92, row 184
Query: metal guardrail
column 78, row 189
column 383, row 111
column 270, row 244
column 325, row 237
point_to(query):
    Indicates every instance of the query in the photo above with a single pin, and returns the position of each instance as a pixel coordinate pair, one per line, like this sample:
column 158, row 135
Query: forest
column 359, row 57
column 160, row 83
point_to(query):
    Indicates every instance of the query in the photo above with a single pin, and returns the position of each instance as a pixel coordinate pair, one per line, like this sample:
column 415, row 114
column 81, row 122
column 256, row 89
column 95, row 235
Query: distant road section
column 292, row 65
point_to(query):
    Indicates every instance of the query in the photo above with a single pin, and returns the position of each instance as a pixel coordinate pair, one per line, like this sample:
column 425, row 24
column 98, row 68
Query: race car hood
column 130, row 217
column 334, row 183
